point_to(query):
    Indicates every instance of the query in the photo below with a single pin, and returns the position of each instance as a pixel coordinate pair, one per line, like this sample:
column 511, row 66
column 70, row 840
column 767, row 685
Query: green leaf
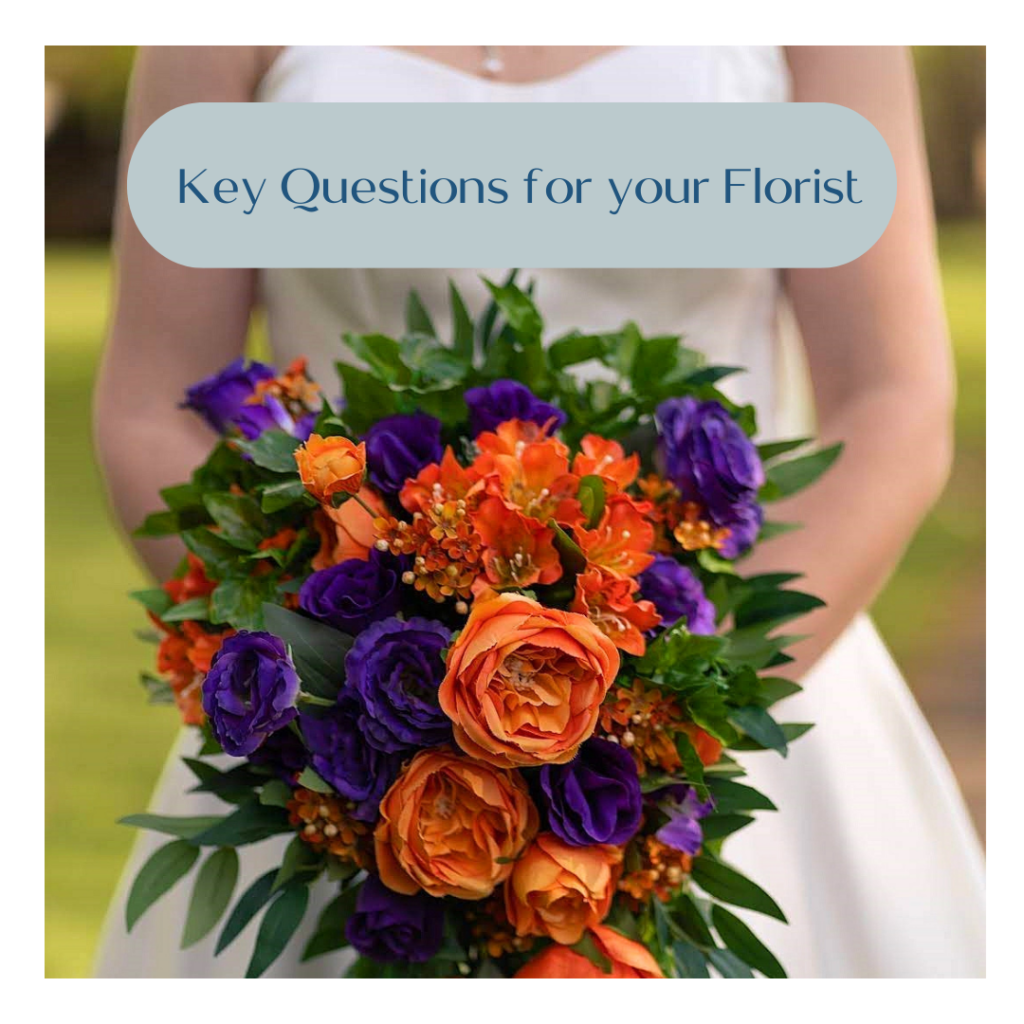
column 158, row 691
column 786, row 478
column 462, row 325
column 281, row 495
column 690, row 961
column 713, row 374
column 771, row 529
column 218, row 556
column 734, row 796
column 687, row 916
column 330, row 928
column 248, row 906
column 693, row 767
column 239, row 517
column 745, row 944
column 275, row 793
column 758, row 724
column 318, row 651
column 309, row 779
column 775, row 688
column 279, row 924
column 273, row 450
column 155, row 600
column 591, row 498
column 571, row 555
column 184, row 828
column 576, row 348
column 367, row 399
column 772, row 450
column 728, row 964
column 240, row 602
column 587, row 947
column 729, row 886
column 718, row 826
column 417, row 319
column 710, row 561
column 383, row 355
column 158, row 524
column 298, row 857
column 215, row 885
column 771, row 608
column 196, row 608
column 168, row 865
column 249, row 824
column 518, row 310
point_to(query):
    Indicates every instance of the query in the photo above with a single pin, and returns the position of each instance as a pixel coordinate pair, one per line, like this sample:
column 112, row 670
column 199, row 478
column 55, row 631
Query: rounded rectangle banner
column 543, row 185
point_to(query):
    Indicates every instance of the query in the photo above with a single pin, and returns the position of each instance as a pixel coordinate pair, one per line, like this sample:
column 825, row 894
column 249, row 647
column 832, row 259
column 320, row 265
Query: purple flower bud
column 353, row 593
column 508, row 400
column 713, row 463
column 678, row 595
column 221, row 398
column 682, row 831
column 596, row 797
column 397, row 667
column 250, row 691
column 390, row 927
column 398, row 447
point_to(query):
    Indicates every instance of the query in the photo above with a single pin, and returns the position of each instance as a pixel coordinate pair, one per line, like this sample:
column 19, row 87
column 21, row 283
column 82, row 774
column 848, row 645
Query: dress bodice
column 730, row 314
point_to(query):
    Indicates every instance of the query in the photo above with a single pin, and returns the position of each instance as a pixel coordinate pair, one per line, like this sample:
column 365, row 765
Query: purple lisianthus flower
column 682, row 831
column 250, row 691
column 341, row 756
column 508, row 400
column 678, row 595
column 397, row 667
column 713, row 463
column 398, row 447
column 353, row 593
column 221, row 397
column 283, row 753
column 596, row 797
column 390, row 927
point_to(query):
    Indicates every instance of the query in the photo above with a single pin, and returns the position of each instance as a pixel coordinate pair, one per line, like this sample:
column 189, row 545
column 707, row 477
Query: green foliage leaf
column 771, row 608
column 718, row 826
column 299, row 858
column 273, row 450
column 279, row 924
column 734, row 796
column 758, row 724
column 519, row 310
column 318, row 651
column 194, row 609
column 183, row 827
column 239, row 517
column 284, row 494
column 367, row 399
column 745, row 944
column 728, row 964
column 687, row 916
column 158, row 524
column 309, row 779
column 690, row 962
column 774, row 449
column 215, row 885
column 786, row 478
column 572, row 557
column 417, row 319
column 167, row 866
column 240, row 602
column 330, row 928
column 587, row 947
column 155, row 600
column 383, row 355
column 252, row 822
column 591, row 497
column 576, row 348
column 275, row 793
column 728, row 885
column 774, row 688
column 462, row 325
column 248, row 906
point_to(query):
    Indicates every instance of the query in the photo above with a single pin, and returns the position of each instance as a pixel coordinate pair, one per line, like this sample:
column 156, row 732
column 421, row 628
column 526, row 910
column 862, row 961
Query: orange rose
column 628, row 959
column 524, row 683
column 347, row 531
column 560, row 890
column 452, row 827
column 331, row 465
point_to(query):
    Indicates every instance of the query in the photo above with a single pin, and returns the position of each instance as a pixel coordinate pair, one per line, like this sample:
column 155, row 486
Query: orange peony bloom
column 606, row 459
column 347, row 531
column 609, row 602
column 561, row 890
column 524, row 683
column 628, row 959
column 519, row 551
column 622, row 541
column 452, row 827
column 330, row 466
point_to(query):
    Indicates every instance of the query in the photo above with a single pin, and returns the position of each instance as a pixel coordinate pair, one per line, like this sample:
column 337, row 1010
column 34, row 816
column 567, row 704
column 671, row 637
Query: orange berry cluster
column 645, row 723
column 490, row 927
column 324, row 822
column 661, row 871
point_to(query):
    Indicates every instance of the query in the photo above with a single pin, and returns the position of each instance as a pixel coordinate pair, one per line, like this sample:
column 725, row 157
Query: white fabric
column 872, row 854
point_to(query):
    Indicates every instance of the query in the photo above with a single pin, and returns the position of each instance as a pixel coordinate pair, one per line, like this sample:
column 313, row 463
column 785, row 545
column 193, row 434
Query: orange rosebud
column 622, row 541
column 560, row 890
column 452, row 827
column 331, row 465
column 609, row 602
column 606, row 459
column 524, row 683
column 628, row 959
column 347, row 531
column 519, row 550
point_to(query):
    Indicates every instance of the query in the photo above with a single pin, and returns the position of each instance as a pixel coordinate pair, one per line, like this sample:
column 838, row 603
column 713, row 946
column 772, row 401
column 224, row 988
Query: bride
column 871, row 854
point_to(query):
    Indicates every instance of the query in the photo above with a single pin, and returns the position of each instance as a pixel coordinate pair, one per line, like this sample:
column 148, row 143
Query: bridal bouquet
column 477, row 638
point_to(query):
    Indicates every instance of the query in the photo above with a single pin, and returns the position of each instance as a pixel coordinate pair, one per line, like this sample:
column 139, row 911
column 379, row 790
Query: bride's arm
column 172, row 324
column 879, row 356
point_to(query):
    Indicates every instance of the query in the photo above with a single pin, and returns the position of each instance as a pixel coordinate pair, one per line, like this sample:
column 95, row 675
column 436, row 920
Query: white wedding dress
column 872, row 855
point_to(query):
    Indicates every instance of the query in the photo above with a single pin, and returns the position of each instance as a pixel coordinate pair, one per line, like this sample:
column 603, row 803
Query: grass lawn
column 104, row 747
